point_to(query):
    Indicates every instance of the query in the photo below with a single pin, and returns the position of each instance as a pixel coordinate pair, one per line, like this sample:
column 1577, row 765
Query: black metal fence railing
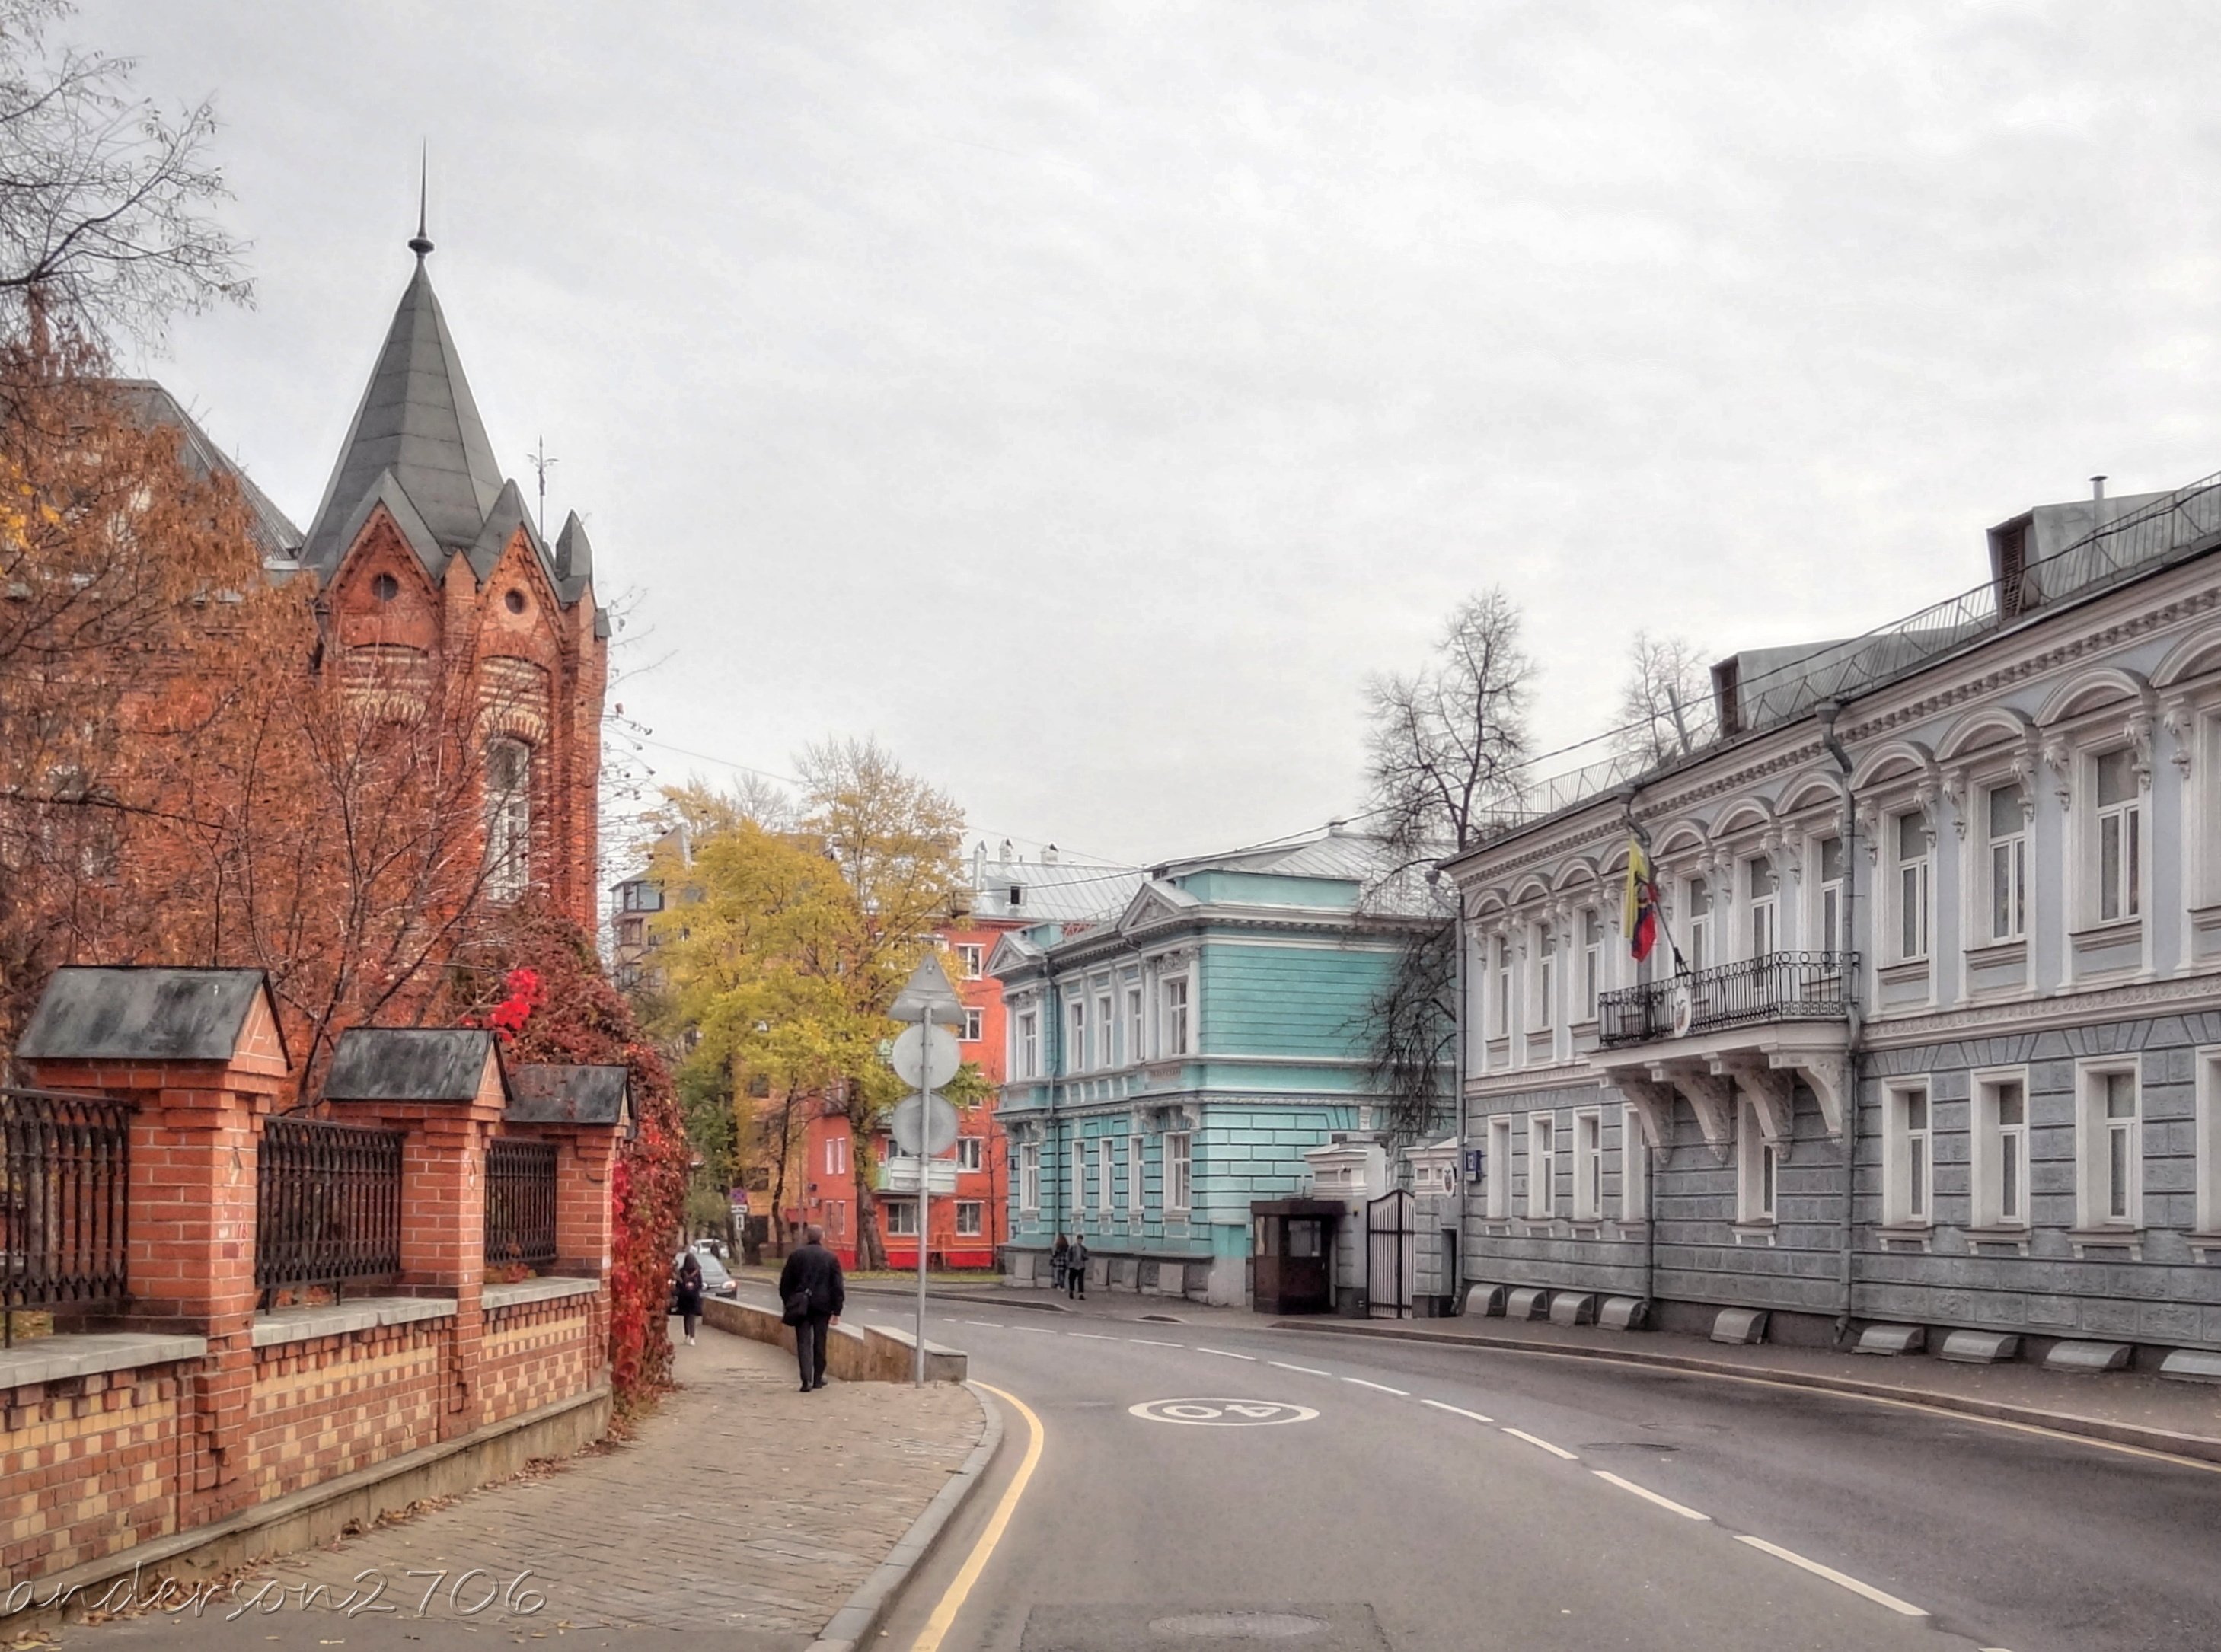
column 66, row 1164
column 1779, row 986
column 328, row 1202
column 519, row 1209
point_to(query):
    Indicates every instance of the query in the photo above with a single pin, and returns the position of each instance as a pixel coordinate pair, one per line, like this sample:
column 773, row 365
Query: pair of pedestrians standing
column 1068, row 1266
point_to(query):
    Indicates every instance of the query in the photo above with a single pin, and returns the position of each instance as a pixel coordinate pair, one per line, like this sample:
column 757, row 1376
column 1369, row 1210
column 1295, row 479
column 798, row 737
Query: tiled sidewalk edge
column 2204, row 1447
column 858, row 1622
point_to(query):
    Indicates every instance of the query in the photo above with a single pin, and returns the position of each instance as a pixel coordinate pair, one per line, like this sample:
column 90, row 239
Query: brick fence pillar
column 446, row 1088
column 585, row 1111
column 199, row 1055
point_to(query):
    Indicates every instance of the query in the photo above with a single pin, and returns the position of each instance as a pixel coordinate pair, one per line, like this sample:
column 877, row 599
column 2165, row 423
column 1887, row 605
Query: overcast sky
column 1085, row 398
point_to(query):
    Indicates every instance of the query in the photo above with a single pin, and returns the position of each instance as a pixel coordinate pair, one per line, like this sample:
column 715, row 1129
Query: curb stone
column 2167, row 1441
column 859, row 1620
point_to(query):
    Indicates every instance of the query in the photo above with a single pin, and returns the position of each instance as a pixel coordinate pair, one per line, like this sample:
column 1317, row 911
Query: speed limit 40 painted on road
column 1221, row 1413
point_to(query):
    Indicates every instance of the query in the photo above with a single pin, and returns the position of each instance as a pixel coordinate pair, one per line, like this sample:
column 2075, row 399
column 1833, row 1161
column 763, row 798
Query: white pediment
column 1154, row 903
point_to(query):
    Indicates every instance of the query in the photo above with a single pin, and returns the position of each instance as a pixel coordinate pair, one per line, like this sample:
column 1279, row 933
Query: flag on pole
column 1639, row 914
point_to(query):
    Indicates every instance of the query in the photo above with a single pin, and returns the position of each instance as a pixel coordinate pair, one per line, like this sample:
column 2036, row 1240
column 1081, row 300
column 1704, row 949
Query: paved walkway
column 743, row 1507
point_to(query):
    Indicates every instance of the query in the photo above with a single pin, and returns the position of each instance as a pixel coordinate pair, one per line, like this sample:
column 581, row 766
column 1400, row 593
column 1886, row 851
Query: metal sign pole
column 925, row 1205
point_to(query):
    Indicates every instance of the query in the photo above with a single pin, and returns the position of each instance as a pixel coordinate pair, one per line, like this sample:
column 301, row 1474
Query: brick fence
column 202, row 1403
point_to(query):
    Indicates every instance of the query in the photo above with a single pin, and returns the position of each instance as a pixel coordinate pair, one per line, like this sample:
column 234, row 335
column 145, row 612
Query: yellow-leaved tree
column 790, row 935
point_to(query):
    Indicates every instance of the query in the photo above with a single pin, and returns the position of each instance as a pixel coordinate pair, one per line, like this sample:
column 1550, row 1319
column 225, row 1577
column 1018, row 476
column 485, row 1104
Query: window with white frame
column 902, row 1217
column 1908, row 1166
column 1178, row 1168
column 1543, row 1011
column 508, row 817
column 1588, row 1167
column 836, row 1155
column 1029, row 1177
column 974, row 1023
column 1908, row 847
column 1133, row 1044
column 968, row 1214
column 2109, row 1161
column 1105, row 1173
column 1076, row 1177
column 1541, row 1165
column 1106, row 1054
column 1027, row 1056
column 2000, row 1150
column 971, row 959
column 1136, row 1184
column 1758, row 1168
column 2004, row 821
column 1763, row 892
column 970, row 1152
column 1634, row 1166
column 1696, row 894
column 1496, row 1169
column 1828, row 895
column 1592, row 962
column 1501, row 1021
column 1075, row 1048
column 1176, row 1007
column 2116, row 828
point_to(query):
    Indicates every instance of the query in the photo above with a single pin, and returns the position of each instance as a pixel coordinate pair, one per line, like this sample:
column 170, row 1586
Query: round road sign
column 1222, row 1413
column 913, row 1119
column 925, row 1056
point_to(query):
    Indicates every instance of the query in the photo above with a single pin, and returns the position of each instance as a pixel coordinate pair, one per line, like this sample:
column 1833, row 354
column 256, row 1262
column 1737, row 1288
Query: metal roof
column 152, row 403
column 409, row 1064
column 568, row 1095
column 127, row 1014
column 418, row 420
column 1051, row 892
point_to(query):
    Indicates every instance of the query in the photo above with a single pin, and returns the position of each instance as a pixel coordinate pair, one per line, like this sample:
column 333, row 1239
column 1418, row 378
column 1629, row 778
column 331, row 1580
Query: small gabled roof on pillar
column 148, row 1013
column 569, row 1095
column 413, row 1064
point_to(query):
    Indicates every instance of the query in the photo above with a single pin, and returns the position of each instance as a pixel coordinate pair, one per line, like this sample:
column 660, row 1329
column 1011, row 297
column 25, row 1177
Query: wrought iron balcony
column 1779, row 986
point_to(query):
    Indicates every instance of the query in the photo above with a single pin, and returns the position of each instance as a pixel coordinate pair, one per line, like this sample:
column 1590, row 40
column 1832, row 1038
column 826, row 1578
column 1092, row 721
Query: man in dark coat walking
column 812, row 1294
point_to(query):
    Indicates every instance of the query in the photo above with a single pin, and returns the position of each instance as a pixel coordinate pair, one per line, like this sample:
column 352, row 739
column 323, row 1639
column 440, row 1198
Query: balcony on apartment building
column 1734, row 1034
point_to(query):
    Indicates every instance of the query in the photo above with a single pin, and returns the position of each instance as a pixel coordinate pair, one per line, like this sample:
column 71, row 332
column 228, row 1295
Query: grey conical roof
column 417, row 420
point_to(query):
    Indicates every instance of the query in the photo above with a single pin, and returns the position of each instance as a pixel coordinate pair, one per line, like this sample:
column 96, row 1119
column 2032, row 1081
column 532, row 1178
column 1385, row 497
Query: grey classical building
column 1943, row 1051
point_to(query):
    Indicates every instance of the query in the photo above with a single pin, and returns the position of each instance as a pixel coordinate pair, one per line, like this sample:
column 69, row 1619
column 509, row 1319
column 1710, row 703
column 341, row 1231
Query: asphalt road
column 1395, row 1518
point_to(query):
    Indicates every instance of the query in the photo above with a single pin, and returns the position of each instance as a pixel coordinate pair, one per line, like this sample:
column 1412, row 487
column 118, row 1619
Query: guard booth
column 1292, row 1255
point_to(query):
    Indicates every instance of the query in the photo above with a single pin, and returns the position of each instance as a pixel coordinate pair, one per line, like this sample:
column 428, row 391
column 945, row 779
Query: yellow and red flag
column 1639, row 914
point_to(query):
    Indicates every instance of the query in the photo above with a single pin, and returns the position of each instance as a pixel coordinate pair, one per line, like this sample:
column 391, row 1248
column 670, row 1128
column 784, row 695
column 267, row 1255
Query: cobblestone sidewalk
column 744, row 1507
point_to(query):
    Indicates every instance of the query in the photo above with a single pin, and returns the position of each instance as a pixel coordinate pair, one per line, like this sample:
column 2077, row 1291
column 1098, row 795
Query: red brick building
column 426, row 563
column 970, row 1226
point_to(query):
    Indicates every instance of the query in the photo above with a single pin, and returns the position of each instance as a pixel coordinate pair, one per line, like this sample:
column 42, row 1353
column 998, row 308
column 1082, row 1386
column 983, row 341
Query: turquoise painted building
column 1172, row 1063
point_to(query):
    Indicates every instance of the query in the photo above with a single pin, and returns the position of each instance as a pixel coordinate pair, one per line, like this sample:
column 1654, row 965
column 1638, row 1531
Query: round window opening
column 385, row 587
column 514, row 601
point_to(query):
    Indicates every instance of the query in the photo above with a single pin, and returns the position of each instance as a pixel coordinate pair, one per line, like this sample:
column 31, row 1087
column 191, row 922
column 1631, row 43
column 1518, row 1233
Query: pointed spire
column 421, row 243
column 418, row 420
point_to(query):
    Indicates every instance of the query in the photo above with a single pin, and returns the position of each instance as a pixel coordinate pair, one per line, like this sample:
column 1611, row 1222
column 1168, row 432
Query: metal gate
column 1391, row 1255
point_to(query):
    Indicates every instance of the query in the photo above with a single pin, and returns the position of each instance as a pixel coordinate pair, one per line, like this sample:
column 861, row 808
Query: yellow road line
column 959, row 1587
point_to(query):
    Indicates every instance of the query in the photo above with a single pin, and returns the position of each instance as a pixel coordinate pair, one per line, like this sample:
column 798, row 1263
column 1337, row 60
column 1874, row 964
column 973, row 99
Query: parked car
column 717, row 1279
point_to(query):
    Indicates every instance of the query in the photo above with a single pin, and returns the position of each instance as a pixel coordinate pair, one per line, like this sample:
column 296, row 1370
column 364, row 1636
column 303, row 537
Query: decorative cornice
column 2174, row 995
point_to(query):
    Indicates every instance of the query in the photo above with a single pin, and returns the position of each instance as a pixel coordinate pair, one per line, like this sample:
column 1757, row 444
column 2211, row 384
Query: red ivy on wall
column 554, row 1004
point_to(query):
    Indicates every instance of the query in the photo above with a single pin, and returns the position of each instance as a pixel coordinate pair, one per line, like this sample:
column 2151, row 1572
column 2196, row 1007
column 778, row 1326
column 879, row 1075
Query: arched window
column 508, row 817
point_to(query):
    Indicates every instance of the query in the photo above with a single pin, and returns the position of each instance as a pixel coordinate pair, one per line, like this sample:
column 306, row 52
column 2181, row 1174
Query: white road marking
column 1224, row 1354
column 1308, row 1370
column 1457, row 1411
column 1039, row 1330
column 1150, row 1342
column 1649, row 1496
column 1091, row 1337
column 1556, row 1451
column 1403, row 1392
column 1833, row 1576
column 989, row 1324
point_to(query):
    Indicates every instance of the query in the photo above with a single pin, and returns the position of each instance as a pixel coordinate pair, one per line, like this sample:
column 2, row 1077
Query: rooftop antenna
column 419, row 243
column 541, row 464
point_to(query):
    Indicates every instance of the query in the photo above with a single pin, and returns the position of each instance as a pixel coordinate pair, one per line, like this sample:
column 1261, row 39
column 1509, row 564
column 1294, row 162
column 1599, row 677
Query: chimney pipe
column 2098, row 490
